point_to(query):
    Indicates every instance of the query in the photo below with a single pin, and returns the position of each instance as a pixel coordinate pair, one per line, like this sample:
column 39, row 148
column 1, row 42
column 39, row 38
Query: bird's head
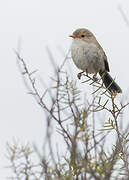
column 82, row 33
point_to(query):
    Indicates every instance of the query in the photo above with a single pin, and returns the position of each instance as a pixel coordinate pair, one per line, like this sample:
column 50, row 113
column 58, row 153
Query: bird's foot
column 95, row 78
column 79, row 75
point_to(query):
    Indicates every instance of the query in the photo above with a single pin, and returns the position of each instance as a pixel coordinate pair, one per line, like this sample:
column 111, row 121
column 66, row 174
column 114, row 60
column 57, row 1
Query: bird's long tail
column 109, row 83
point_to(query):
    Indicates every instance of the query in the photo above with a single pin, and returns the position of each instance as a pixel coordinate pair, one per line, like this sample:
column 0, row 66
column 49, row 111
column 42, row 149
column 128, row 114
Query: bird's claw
column 79, row 75
column 95, row 78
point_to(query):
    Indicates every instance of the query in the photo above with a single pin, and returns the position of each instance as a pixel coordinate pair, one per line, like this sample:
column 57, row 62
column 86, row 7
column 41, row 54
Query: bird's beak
column 72, row 36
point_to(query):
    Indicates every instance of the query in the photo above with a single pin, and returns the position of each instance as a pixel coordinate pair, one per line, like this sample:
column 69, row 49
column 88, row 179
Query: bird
column 89, row 56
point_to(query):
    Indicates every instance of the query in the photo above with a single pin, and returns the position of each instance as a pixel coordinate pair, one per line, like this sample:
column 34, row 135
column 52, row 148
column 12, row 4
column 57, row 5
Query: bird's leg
column 80, row 74
column 94, row 77
column 86, row 72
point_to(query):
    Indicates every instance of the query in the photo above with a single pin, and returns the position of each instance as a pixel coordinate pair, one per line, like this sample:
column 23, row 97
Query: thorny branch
column 85, row 155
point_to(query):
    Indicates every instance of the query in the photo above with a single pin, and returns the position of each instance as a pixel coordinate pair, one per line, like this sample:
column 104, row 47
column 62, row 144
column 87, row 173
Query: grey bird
column 90, row 57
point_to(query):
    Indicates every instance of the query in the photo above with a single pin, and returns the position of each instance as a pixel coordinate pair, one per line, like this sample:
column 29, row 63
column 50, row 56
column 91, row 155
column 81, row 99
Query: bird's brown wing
column 105, row 57
column 106, row 63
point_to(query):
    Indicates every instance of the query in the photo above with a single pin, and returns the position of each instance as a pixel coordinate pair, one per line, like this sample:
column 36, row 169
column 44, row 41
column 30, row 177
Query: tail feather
column 109, row 83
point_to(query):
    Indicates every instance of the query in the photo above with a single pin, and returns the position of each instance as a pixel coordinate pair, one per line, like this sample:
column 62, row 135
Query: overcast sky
column 41, row 23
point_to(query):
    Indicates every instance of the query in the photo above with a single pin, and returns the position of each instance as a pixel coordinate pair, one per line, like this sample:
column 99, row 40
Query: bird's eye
column 82, row 35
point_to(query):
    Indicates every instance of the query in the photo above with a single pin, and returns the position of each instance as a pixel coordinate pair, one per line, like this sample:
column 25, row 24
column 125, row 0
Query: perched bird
column 90, row 57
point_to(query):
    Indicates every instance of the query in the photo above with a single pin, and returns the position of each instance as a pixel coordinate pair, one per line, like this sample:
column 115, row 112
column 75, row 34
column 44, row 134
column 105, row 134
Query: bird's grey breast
column 87, row 56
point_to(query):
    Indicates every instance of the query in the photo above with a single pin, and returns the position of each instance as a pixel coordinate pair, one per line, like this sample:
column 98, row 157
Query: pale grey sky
column 41, row 23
